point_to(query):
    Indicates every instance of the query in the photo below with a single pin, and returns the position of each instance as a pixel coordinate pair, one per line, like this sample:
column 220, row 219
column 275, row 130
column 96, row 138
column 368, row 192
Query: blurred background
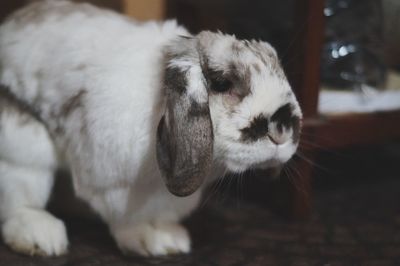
column 342, row 188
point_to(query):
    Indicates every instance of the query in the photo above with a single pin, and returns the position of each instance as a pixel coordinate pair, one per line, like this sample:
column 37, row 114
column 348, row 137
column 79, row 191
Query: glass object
column 353, row 51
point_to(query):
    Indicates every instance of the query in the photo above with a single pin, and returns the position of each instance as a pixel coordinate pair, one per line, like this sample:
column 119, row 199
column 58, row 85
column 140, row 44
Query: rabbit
column 143, row 115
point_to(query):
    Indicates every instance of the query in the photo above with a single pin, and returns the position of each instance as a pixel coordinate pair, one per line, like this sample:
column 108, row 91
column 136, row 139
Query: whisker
column 289, row 176
column 300, row 185
column 294, row 39
column 213, row 190
column 222, row 188
column 228, row 187
column 237, row 181
column 315, row 136
column 312, row 163
column 310, row 145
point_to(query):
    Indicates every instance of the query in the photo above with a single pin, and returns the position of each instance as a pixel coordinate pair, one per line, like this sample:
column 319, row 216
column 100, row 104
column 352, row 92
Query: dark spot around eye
column 233, row 80
column 258, row 129
column 221, row 85
column 218, row 82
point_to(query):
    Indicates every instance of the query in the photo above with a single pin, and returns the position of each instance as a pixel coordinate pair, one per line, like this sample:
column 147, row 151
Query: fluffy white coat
column 70, row 61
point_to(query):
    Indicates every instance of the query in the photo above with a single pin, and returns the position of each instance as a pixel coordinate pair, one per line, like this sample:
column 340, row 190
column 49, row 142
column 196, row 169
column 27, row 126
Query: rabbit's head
column 228, row 103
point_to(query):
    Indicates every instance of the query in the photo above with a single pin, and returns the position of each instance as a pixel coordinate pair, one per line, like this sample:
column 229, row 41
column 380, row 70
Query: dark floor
column 356, row 221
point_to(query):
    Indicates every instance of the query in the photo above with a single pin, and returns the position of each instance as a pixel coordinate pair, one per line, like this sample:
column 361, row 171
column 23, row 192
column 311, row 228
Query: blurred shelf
column 344, row 130
column 369, row 100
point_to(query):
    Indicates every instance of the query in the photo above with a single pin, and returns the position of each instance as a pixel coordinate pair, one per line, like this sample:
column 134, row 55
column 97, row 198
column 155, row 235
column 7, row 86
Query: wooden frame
column 145, row 10
column 334, row 131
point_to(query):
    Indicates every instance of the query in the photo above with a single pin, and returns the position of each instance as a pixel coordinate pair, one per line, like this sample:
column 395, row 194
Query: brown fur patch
column 257, row 68
column 80, row 67
column 9, row 101
column 72, row 103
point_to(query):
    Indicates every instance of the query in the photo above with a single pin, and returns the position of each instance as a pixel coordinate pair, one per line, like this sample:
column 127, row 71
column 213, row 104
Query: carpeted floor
column 356, row 221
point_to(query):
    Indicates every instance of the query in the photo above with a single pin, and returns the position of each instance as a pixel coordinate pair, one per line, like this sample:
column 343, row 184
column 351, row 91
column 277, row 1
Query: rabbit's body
column 49, row 71
column 101, row 95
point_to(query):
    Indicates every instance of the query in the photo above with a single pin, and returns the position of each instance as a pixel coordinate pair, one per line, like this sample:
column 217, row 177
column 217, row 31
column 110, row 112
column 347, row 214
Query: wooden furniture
column 144, row 10
column 335, row 131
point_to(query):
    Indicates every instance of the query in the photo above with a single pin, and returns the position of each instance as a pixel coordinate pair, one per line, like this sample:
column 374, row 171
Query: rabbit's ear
column 184, row 134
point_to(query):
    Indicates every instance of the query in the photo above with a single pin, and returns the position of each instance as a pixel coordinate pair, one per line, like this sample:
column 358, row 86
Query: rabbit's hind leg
column 27, row 163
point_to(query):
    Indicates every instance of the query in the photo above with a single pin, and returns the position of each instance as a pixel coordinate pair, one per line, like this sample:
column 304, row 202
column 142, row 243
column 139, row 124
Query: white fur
column 153, row 239
column 35, row 232
column 53, row 51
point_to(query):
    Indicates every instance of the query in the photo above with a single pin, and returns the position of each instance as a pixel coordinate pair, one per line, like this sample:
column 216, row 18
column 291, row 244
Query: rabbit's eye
column 221, row 85
column 218, row 81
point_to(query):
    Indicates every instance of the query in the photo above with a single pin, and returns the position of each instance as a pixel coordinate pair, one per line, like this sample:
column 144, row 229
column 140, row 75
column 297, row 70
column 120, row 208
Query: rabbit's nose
column 279, row 139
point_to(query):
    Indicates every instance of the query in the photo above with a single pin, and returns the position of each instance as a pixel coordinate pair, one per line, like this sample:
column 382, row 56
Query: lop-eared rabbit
column 143, row 115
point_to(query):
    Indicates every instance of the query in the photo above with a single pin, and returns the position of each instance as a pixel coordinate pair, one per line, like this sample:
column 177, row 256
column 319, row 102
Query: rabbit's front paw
column 35, row 232
column 153, row 239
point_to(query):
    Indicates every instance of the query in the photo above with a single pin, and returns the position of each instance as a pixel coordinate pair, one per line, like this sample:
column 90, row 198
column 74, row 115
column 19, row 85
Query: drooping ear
column 184, row 134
